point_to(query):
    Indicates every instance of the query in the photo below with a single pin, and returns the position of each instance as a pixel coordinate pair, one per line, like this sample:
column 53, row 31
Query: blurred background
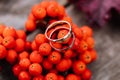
column 105, row 24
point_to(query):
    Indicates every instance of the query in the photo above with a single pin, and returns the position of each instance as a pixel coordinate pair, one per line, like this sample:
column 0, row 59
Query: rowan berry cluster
column 37, row 60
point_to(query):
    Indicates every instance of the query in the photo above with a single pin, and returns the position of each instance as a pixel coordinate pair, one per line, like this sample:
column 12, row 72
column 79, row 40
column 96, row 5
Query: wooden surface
column 107, row 67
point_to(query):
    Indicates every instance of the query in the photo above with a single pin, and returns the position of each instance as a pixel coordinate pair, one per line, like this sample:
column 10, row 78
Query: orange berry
column 69, row 63
column 28, row 46
column 34, row 45
column 24, row 63
column 24, row 75
column 68, row 53
column 9, row 42
column 3, row 52
column 76, row 44
column 39, row 12
column 40, row 77
column 61, row 34
column 23, row 54
column 20, row 45
column 86, row 57
column 9, row 31
column 78, row 33
column 31, row 17
column 52, row 10
column 11, row 56
column 40, row 38
column 87, row 74
column 57, row 45
column 91, row 43
column 51, row 76
column 68, row 19
column 35, row 57
column 47, row 64
column 79, row 67
column 61, row 13
column 21, row 34
column 83, row 46
column 63, row 65
column 72, row 77
column 93, row 54
column 2, row 27
column 86, row 32
column 44, row 4
column 30, row 25
column 60, row 77
column 1, row 39
column 35, row 69
column 16, row 70
column 54, row 57
column 45, row 49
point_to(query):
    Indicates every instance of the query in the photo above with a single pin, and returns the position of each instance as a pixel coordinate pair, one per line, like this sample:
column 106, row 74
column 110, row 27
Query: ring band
column 58, row 23
column 70, row 46
column 59, row 40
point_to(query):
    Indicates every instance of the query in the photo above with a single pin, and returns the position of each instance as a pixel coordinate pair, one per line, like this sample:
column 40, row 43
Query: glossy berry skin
column 72, row 77
column 16, row 70
column 11, row 56
column 86, row 32
column 86, row 75
column 35, row 57
column 30, row 25
column 54, row 57
column 56, row 45
column 61, row 34
column 78, row 33
column 9, row 42
column 20, row 45
column 86, row 57
column 93, row 54
column 24, row 75
column 63, row 65
column 83, row 46
column 44, row 4
column 40, row 77
column 68, row 53
column 52, row 10
column 2, row 27
column 1, row 39
column 28, row 46
column 23, row 54
column 38, row 12
column 40, row 38
column 35, row 69
column 51, row 76
column 9, row 31
column 3, row 52
column 90, row 42
column 60, row 77
column 24, row 63
column 45, row 49
column 79, row 67
column 34, row 45
column 21, row 34
column 47, row 64
column 76, row 44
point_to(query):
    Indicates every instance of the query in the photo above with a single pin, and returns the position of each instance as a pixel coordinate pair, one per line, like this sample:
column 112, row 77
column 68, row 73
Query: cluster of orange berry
column 37, row 60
